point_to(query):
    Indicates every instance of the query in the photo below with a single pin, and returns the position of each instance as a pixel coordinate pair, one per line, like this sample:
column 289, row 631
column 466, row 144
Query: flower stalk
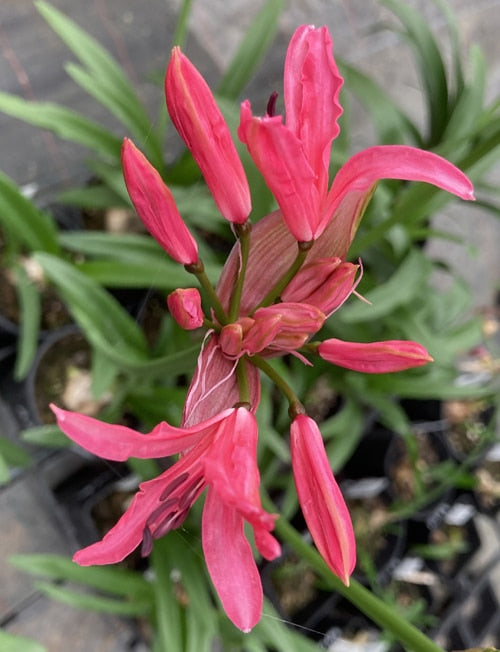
column 372, row 606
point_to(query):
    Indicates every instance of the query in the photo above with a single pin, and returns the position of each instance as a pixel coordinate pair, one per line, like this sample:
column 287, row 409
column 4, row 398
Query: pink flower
column 320, row 498
column 155, row 206
column 218, row 454
column 185, row 307
column 294, row 157
column 198, row 120
column 374, row 357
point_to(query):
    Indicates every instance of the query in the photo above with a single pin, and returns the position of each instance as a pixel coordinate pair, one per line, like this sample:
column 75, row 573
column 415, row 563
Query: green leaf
column 15, row 643
column 111, row 579
column 30, row 309
column 93, row 197
column 432, row 68
column 106, row 74
column 103, row 320
column 251, row 50
column 65, row 123
column 91, row 602
column 33, row 228
column 48, row 435
column 400, row 289
column 392, row 125
column 11, row 455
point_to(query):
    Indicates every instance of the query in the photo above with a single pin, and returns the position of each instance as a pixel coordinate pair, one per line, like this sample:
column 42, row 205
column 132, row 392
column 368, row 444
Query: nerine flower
column 218, row 455
column 273, row 295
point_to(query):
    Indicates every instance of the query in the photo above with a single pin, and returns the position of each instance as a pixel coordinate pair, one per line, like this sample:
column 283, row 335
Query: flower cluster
column 284, row 277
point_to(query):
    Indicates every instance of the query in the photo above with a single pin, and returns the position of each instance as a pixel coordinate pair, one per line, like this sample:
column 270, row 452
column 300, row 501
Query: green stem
column 198, row 270
column 382, row 614
column 276, row 290
column 243, row 232
column 242, row 378
column 291, row 396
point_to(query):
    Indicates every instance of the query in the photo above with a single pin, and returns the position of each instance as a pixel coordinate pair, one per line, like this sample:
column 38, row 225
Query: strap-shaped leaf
column 30, row 226
column 64, row 122
column 30, row 310
column 251, row 50
column 105, row 72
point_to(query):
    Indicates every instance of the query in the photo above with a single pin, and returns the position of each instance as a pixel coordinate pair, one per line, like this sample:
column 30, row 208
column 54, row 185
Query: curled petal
column 156, row 206
column 115, row 442
column 185, row 307
column 374, row 357
column 320, row 498
column 280, row 157
column 230, row 563
column 201, row 125
column 355, row 182
column 312, row 86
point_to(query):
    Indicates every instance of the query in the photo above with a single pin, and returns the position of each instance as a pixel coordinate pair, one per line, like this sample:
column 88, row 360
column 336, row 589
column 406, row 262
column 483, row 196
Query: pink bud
column 320, row 498
column 325, row 283
column 201, row 125
column 230, row 339
column 156, row 206
column 374, row 357
column 185, row 308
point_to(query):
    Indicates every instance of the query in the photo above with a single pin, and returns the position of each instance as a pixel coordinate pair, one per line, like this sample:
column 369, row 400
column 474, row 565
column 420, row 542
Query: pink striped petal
column 320, row 498
column 201, row 125
column 374, row 357
column 156, row 206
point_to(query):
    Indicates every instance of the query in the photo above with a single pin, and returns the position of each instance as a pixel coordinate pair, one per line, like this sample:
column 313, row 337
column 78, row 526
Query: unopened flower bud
column 185, row 307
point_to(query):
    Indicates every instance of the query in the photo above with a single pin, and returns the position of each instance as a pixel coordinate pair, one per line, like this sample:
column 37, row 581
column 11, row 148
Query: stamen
column 186, row 500
column 147, row 542
column 271, row 104
column 172, row 486
column 172, row 521
column 161, row 510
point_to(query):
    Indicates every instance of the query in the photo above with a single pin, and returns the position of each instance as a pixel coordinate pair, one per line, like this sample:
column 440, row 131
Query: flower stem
column 243, row 232
column 372, row 606
column 242, row 378
column 198, row 269
column 274, row 293
column 293, row 400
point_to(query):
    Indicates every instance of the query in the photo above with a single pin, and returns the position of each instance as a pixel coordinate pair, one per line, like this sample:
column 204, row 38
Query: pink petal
column 312, row 87
column 374, row 357
column 280, row 157
column 230, row 563
column 184, row 305
column 320, row 498
column 200, row 123
column 214, row 387
column 354, row 183
column 128, row 532
column 156, row 206
column 114, row 442
column 325, row 284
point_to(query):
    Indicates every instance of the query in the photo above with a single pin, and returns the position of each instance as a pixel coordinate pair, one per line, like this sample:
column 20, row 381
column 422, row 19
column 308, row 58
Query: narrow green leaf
column 392, row 125
column 398, row 290
column 13, row 454
column 33, row 228
column 432, row 68
column 65, row 123
column 91, row 197
column 112, row 579
column 165, row 276
column 103, row 320
column 105, row 72
column 30, row 311
column 48, row 435
column 91, row 602
column 251, row 50
column 14, row 643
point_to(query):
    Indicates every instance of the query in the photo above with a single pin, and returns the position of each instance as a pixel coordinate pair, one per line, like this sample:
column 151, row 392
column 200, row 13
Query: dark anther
column 188, row 496
column 271, row 104
column 147, row 542
column 172, row 486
